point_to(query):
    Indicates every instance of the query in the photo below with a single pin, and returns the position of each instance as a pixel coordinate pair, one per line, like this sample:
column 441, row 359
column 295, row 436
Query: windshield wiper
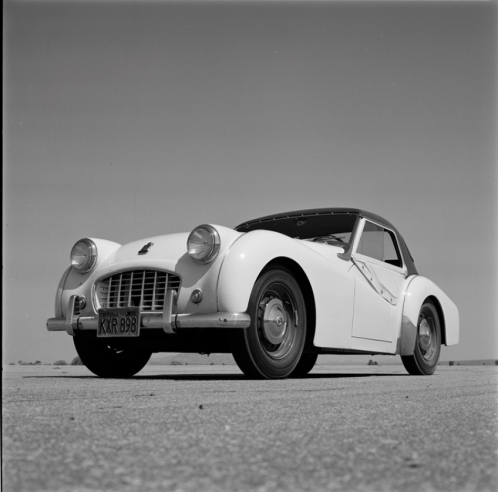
column 325, row 239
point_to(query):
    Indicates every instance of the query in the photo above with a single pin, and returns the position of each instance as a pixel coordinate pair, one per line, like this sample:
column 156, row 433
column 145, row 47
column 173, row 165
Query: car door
column 379, row 273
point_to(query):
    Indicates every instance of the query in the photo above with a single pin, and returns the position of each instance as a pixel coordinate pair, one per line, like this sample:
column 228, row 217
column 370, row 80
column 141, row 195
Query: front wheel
column 305, row 364
column 272, row 345
column 109, row 360
column 425, row 356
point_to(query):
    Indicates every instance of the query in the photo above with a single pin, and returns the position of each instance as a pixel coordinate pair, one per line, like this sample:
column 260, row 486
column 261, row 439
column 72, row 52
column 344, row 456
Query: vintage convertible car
column 275, row 292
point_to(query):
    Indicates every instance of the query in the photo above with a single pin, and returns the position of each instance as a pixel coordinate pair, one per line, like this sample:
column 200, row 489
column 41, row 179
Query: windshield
column 333, row 229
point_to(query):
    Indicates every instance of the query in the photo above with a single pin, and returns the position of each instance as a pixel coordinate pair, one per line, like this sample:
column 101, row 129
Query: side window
column 380, row 244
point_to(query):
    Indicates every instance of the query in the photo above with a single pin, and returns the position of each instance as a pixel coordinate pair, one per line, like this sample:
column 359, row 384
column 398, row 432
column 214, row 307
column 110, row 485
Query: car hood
column 170, row 247
column 167, row 252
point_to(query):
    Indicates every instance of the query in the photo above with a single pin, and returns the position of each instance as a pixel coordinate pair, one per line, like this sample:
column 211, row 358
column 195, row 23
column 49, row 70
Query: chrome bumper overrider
column 166, row 320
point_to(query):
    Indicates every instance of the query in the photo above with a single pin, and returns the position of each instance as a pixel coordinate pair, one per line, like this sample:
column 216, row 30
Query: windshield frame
column 308, row 226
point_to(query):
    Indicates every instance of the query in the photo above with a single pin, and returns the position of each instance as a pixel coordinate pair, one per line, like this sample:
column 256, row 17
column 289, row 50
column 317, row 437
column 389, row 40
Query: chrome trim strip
column 213, row 320
column 88, row 322
column 396, row 245
column 71, row 323
column 155, row 320
column 167, row 310
column 56, row 324
column 346, row 254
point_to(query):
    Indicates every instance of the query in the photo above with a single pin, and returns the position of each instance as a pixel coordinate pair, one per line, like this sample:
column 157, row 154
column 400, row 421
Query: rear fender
column 417, row 292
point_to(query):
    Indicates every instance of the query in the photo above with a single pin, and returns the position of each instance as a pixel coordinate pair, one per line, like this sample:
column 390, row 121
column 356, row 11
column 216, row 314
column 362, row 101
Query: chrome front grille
column 142, row 288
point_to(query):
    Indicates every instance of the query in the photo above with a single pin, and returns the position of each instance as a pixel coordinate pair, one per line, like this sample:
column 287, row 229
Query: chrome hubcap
column 426, row 338
column 277, row 321
column 274, row 321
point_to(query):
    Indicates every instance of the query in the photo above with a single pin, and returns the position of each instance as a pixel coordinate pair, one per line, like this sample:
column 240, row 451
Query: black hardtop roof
column 338, row 210
column 321, row 211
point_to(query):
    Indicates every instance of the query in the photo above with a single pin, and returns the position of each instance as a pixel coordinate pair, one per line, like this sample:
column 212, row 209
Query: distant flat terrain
column 341, row 360
column 208, row 428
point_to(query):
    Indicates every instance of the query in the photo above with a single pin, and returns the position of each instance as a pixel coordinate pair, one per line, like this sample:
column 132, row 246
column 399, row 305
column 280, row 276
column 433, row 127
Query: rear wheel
column 108, row 360
column 272, row 345
column 425, row 356
column 305, row 364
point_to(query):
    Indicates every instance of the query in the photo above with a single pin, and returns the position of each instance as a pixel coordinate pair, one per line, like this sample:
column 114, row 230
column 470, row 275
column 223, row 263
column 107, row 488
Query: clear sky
column 124, row 120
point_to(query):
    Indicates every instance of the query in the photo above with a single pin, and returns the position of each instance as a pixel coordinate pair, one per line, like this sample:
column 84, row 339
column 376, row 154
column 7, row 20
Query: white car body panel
column 361, row 304
column 374, row 318
column 417, row 290
column 332, row 286
column 378, row 287
column 168, row 253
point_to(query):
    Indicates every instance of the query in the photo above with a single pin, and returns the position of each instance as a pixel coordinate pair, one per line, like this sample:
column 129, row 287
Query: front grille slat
column 129, row 293
column 143, row 288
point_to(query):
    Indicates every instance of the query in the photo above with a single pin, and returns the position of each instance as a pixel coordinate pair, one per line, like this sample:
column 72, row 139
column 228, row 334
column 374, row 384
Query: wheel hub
column 425, row 338
column 274, row 321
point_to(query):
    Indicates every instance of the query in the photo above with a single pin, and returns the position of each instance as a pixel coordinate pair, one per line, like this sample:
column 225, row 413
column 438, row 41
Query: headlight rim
column 215, row 244
column 93, row 256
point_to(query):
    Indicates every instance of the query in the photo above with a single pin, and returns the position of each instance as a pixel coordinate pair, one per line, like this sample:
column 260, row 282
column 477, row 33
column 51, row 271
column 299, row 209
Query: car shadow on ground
column 219, row 377
column 241, row 377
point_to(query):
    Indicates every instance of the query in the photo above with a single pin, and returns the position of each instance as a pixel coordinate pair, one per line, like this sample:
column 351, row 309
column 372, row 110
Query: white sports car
column 276, row 292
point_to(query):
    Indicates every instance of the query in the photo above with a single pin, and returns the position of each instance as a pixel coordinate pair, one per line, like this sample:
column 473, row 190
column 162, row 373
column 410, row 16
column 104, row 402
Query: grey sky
column 124, row 120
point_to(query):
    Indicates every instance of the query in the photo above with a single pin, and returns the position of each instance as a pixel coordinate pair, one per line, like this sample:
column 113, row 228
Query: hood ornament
column 145, row 249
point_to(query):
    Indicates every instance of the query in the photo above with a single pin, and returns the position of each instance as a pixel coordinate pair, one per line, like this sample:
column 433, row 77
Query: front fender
column 417, row 291
column 59, row 308
column 169, row 253
column 332, row 286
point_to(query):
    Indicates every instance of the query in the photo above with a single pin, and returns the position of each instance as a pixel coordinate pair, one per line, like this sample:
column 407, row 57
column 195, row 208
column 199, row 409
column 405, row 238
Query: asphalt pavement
column 208, row 428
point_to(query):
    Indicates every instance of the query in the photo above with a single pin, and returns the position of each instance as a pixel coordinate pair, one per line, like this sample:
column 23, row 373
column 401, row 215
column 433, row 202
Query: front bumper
column 166, row 320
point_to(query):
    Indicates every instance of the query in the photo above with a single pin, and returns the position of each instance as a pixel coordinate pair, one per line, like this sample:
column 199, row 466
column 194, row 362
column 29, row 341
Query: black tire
column 106, row 360
column 425, row 357
column 305, row 364
column 272, row 345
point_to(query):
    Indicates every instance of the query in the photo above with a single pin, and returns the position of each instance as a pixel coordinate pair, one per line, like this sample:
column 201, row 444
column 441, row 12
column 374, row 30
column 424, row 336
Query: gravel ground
column 208, row 428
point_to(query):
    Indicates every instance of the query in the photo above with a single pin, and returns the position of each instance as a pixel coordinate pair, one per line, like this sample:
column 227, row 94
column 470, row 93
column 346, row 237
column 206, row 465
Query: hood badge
column 145, row 249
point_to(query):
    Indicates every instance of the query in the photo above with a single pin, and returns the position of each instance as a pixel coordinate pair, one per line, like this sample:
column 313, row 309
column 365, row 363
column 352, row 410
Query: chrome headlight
column 203, row 243
column 84, row 255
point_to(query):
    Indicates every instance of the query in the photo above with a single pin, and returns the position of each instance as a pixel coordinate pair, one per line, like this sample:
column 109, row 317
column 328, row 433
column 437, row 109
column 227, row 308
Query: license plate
column 119, row 322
